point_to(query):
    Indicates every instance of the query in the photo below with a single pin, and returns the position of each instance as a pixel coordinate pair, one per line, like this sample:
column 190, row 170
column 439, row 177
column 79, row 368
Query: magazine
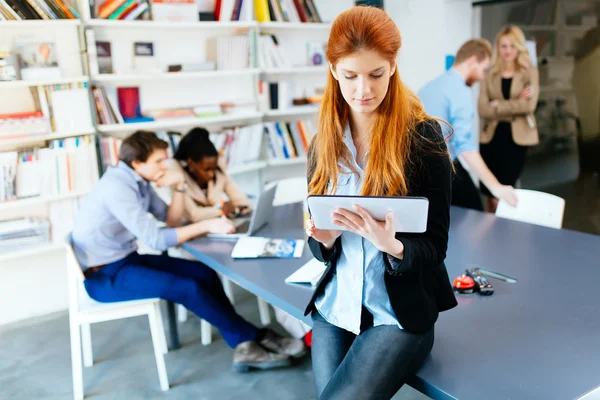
column 259, row 247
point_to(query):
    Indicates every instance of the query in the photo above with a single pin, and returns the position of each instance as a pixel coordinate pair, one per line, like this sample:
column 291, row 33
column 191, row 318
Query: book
column 104, row 57
column 174, row 10
column 310, row 273
column 144, row 59
column 260, row 247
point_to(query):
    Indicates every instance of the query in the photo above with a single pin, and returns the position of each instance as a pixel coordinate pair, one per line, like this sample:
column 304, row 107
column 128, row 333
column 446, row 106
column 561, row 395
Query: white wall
column 430, row 29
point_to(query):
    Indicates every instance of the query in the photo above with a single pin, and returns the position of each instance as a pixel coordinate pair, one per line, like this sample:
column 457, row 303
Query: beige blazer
column 513, row 110
column 199, row 206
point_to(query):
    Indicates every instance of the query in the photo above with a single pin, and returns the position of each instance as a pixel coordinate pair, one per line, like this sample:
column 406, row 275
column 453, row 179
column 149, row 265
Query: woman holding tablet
column 374, row 309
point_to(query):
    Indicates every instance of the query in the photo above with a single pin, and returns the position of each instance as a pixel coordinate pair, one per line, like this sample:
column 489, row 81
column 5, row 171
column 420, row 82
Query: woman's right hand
column 527, row 92
column 326, row 237
column 219, row 225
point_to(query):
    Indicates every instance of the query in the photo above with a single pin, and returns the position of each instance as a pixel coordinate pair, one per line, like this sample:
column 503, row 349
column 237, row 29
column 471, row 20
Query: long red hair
column 366, row 28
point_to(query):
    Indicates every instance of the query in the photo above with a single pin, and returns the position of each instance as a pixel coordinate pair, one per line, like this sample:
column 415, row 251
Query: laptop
column 245, row 226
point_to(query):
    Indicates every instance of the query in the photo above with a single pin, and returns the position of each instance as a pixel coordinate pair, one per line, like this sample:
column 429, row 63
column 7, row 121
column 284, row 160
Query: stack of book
column 16, row 10
column 237, row 146
column 119, row 9
column 23, row 124
column 286, row 140
column 269, row 52
column 267, row 10
column 107, row 111
column 108, row 148
column 22, row 233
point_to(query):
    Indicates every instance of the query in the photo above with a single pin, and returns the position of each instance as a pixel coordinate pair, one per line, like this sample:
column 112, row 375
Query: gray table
column 536, row 339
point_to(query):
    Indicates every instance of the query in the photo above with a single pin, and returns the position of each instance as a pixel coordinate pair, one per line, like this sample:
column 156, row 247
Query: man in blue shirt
column 449, row 98
column 115, row 214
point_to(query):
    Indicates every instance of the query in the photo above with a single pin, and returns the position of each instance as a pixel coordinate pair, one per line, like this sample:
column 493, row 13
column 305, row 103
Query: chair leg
column 181, row 313
column 263, row 310
column 161, row 329
column 158, row 353
column 228, row 289
column 76, row 365
column 86, row 341
column 205, row 332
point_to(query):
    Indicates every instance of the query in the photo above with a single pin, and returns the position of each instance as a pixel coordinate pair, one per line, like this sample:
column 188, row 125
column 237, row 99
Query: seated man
column 115, row 214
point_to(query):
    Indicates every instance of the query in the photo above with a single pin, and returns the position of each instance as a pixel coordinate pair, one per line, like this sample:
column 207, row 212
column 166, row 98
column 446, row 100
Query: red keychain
column 464, row 284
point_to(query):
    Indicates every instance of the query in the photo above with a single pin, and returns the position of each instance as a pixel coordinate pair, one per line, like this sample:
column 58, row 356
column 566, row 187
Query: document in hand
column 259, row 247
column 309, row 273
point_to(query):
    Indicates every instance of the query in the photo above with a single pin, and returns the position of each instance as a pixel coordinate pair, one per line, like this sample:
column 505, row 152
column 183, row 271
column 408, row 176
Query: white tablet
column 410, row 213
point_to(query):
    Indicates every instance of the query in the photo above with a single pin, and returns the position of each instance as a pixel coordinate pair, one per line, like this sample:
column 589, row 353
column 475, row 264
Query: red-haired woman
column 374, row 310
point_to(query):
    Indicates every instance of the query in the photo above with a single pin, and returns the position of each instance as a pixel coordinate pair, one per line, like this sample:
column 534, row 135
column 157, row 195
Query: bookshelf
column 31, row 140
column 169, row 123
column 34, row 201
column 297, row 111
column 317, row 69
column 42, row 82
column 246, row 168
column 175, row 75
column 142, row 24
column 31, row 251
column 38, row 23
column 22, row 96
column 302, row 26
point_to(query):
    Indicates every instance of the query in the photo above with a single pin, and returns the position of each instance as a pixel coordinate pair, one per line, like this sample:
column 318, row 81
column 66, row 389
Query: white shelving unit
column 16, row 96
column 32, row 201
column 140, row 24
column 317, row 69
column 302, row 26
column 38, row 23
column 42, row 82
column 174, row 75
column 167, row 123
column 31, row 251
column 286, row 162
column 298, row 111
column 26, row 141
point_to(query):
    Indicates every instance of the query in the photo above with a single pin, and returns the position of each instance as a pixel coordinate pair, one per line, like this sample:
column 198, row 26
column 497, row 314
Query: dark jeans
column 464, row 192
column 185, row 282
column 372, row 365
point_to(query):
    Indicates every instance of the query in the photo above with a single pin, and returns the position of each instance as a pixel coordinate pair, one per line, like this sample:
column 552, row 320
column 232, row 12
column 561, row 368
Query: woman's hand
column 527, row 92
column 494, row 103
column 228, row 208
column 381, row 234
column 326, row 237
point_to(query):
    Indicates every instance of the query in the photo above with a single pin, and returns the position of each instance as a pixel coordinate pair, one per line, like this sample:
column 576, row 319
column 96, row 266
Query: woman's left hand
column 380, row 233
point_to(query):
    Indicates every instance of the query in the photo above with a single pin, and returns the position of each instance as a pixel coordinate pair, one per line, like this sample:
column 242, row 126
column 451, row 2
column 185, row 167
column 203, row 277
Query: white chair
column 84, row 311
column 534, row 207
column 290, row 190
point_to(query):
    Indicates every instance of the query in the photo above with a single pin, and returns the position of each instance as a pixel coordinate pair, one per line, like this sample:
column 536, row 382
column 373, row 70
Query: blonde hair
column 516, row 35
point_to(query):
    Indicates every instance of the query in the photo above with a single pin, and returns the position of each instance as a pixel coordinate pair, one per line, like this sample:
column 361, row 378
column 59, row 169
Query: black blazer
column 418, row 285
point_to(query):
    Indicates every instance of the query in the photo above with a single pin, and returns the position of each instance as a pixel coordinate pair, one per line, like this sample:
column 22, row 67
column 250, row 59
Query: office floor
column 35, row 364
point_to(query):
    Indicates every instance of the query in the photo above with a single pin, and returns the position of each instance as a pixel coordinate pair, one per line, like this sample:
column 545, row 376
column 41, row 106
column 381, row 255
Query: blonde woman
column 507, row 101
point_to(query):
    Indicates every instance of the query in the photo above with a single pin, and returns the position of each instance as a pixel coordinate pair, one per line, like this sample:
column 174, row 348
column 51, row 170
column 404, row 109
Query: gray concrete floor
column 35, row 363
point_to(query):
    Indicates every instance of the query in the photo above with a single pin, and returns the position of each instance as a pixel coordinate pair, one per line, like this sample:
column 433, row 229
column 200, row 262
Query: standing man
column 449, row 98
column 114, row 216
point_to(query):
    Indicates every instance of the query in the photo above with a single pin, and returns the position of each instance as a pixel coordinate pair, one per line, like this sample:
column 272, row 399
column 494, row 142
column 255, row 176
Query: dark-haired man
column 114, row 216
column 449, row 98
